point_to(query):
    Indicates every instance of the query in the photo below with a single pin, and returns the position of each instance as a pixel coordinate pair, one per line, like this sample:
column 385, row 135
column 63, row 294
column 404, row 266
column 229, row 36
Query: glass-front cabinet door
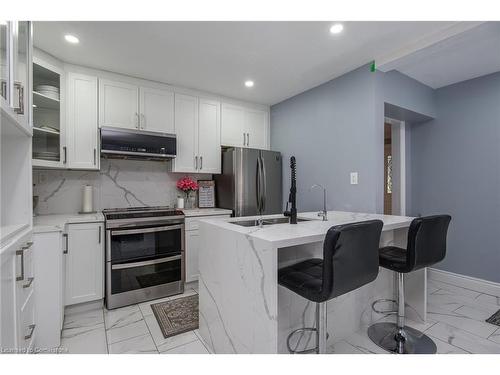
column 15, row 72
column 22, row 71
column 48, row 150
column 4, row 60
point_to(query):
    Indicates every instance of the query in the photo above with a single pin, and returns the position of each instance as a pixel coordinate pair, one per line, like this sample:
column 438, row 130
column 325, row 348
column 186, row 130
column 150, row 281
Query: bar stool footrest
column 385, row 312
column 306, row 351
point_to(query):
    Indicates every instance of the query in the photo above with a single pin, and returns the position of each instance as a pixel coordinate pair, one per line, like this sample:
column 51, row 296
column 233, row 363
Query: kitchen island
column 244, row 310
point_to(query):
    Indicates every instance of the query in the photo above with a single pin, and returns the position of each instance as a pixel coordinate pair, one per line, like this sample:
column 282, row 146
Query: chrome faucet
column 323, row 214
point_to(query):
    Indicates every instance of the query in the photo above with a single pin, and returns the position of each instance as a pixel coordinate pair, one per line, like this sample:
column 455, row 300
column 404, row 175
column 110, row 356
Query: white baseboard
column 467, row 282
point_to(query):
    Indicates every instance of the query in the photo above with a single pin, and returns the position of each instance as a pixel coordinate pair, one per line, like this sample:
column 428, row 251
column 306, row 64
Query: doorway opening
column 394, row 167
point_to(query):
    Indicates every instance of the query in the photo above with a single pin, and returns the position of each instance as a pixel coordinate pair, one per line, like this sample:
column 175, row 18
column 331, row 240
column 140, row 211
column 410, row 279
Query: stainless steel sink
column 256, row 223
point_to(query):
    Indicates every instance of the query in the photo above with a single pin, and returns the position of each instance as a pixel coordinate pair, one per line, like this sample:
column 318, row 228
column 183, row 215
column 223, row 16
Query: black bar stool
column 426, row 246
column 350, row 260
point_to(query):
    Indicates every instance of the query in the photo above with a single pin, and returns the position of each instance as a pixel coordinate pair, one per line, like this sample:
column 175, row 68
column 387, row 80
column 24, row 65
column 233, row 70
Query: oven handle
column 145, row 263
column 146, row 230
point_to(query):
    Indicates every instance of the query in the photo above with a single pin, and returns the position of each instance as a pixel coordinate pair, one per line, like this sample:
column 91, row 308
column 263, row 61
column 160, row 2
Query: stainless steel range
column 145, row 253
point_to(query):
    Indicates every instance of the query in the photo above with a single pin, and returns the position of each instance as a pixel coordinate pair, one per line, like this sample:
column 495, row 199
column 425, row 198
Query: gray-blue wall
column 456, row 169
column 332, row 131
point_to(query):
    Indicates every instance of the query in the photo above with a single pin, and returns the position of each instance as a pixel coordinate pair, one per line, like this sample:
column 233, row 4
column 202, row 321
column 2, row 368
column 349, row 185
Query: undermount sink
column 272, row 221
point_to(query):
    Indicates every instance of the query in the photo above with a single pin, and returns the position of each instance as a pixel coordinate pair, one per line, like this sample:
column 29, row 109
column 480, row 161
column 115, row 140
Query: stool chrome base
column 416, row 342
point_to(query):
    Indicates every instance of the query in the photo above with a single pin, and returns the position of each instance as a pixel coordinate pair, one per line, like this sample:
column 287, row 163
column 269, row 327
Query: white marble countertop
column 193, row 212
column 283, row 235
column 56, row 223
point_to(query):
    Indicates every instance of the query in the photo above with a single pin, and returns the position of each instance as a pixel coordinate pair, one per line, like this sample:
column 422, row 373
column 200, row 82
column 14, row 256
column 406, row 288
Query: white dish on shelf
column 48, row 90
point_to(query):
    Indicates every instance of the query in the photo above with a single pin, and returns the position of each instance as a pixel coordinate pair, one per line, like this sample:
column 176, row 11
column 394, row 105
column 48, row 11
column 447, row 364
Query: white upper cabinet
column 118, row 104
column 244, row 127
column 232, row 133
column 82, row 127
column 256, row 128
column 197, row 125
column 156, row 110
column 209, row 137
column 186, row 129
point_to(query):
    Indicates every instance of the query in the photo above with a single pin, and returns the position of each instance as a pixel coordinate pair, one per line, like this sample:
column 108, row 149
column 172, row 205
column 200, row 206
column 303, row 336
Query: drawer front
column 25, row 276
column 27, row 329
column 194, row 223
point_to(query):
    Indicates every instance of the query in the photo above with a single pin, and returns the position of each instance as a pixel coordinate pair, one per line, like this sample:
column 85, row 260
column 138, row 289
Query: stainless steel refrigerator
column 251, row 182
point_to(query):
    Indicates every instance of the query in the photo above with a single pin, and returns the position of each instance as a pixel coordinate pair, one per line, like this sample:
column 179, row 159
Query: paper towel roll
column 87, row 201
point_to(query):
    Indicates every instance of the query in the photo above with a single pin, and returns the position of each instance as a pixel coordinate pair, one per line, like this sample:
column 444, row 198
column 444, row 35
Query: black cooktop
column 140, row 212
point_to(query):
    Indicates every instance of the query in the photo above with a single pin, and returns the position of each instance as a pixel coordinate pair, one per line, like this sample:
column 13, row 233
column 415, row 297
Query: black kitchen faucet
column 292, row 198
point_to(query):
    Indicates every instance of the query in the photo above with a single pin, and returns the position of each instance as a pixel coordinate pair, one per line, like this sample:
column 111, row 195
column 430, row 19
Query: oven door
column 130, row 276
column 126, row 245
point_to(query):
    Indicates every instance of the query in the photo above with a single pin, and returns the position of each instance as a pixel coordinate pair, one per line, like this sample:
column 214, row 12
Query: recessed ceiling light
column 337, row 28
column 71, row 39
column 249, row 83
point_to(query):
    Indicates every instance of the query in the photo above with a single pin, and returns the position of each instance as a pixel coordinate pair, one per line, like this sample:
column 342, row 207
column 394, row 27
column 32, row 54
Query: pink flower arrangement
column 187, row 185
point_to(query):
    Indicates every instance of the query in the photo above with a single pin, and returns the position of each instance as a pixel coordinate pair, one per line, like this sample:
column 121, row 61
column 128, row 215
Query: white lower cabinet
column 193, row 245
column 17, row 302
column 49, row 297
column 84, row 263
column 192, row 248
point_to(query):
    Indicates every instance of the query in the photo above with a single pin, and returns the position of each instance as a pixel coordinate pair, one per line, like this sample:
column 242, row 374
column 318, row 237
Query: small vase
column 180, row 202
column 190, row 201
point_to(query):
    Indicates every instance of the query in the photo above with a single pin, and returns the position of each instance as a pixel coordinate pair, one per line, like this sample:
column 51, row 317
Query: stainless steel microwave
column 137, row 144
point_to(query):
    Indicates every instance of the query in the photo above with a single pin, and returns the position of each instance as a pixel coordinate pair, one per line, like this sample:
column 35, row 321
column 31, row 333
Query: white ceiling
column 283, row 58
column 464, row 56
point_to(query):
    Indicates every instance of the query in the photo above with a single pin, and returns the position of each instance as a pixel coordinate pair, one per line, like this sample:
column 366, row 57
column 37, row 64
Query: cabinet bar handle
column 196, row 162
column 248, row 139
column 95, row 155
column 65, row 235
column 32, row 329
column 201, row 162
column 99, row 234
column 65, row 156
column 21, row 253
column 244, row 139
column 30, row 281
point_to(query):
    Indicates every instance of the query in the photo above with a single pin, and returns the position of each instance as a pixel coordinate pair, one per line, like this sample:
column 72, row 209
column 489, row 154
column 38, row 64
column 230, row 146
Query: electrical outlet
column 354, row 178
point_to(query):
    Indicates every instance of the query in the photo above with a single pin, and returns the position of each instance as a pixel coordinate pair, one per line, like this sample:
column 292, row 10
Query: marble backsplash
column 119, row 183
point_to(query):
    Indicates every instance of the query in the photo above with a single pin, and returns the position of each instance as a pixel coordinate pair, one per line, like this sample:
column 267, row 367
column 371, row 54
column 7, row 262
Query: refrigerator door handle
column 259, row 184
column 264, row 183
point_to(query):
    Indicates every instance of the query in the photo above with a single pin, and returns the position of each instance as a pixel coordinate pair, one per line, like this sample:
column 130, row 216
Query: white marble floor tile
column 489, row 300
column 85, row 340
column 445, row 348
column 476, row 327
column 195, row 347
column 122, row 317
column 197, row 333
column 462, row 339
column 479, row 313
column 138, row 345
column 495, row 336
column 453, row 289
column 83, row 319
column 145, row 307
column 165, row 344
column 343, row 347
column 362, row 342
column 192, row 285
column 129, row 331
